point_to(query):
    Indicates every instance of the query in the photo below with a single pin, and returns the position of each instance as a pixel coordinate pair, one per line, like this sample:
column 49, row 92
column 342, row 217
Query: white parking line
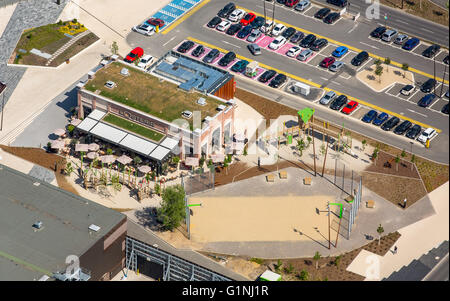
column 417, row 113
column 169, row 41
column 369, row 45
column 400, row 21
column 362, row 66
column 427, row 30
column 409, row 98
column 231, row 44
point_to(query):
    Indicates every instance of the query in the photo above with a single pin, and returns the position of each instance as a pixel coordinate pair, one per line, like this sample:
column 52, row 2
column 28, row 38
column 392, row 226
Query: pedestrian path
column 67, row 45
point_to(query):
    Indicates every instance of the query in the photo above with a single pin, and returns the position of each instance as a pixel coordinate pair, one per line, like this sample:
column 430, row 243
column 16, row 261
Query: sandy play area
column 259, row 219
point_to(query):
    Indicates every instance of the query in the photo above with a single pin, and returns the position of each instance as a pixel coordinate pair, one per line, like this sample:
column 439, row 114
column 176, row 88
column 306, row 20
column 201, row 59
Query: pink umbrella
column 81, row 147
column 92, row 155
column 59, row 132
column 145, row 169
column 107, row 159
column 218, row 158
column 75, row 122
column 93, row 147
column 58, row 144
column 124, row 159
column 191, row 161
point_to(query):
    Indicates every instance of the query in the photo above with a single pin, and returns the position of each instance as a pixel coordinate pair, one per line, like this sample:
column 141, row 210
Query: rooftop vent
column 36, row 183
column 110, row 84
column 94, row 228
column 201, row 101
column 221, row 107
column 125, row 72
column 37, row 225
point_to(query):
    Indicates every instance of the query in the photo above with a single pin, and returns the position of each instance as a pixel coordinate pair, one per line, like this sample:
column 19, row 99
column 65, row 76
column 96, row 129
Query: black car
column 318, row 44
column 428, row 85
column 414, row 131
column 244, row 32
column 431, row 51
column 281, row 1
column 308, row 41
column 258, row 22
column 227, row 59
column 321, row 13
column 331, row 18
column 214, row 22
column 198, row 51
column 341, row 3
column 403, row 127
column 266, row 76
column 288, row 33
column 378, row 32
column 360, row 58
column 227, row 10
column 185, row 47
column 234, row 28
column 445, row 109
column 278, row 81
column 211, row 56
column 339, row 102
column 390, row 124
column 297, row 37
column 445, row 60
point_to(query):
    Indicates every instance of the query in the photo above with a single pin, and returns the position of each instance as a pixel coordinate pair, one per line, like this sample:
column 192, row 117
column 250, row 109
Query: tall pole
column 3, row 108
column 314, row 148
column 329, row 228
column 273, row 16
column 339, row 227
column 434, row 74
column 326, row 151
column 264, row 3
column 442, row 85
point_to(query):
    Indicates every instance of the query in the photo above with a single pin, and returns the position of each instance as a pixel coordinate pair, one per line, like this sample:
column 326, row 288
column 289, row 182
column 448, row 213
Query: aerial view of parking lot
column 224, row 140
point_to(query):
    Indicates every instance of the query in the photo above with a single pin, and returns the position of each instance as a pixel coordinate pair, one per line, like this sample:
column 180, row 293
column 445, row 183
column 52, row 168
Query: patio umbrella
column 145, row 169
column 218, row 158
column 80, row 147
column 93, row 147
column 124, row 159
column 75, row 122
column 92, row 155
column 191, row 161
column 239, row 137
column 239, row 146
column 59, row 132
column 107, row 159
column 58, row 144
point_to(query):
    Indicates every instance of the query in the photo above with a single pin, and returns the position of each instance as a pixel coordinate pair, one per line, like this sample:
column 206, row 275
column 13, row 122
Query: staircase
column 67, row 45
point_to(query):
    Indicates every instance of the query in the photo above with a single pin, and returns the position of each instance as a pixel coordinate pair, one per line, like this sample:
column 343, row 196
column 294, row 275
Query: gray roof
column 65, row 221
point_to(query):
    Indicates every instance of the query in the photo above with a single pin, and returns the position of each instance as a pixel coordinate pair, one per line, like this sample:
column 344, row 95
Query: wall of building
column 227, row 90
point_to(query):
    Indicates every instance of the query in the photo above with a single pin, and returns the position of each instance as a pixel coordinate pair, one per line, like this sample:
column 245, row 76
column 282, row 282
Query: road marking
column 400, row 21
column 168, row 41
column 417, row 113
column 324, row 78
column 309, row 82
column 191, row 12
column 353, row 28
column 369, row 45
column 336, row 83
column 231, row 44
column 427, row 30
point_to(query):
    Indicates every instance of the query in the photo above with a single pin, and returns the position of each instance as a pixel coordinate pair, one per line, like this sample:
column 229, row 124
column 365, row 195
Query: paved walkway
column 67, row 45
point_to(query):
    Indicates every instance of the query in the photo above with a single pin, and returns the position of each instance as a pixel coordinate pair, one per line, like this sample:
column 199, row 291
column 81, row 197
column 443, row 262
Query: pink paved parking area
column 264, row 42
column 285, row 48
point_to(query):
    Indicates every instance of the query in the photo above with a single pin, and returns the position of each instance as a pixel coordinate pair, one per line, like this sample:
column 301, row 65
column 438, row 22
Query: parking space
column 439, row 104
column 361, row 112
column 416, row 97
column 395, row 90
column 420, row 48
column 440, row 56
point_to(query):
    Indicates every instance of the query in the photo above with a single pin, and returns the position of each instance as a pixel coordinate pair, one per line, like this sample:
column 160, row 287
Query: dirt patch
column 77, row 47
column 384, row 160
column 389, row 76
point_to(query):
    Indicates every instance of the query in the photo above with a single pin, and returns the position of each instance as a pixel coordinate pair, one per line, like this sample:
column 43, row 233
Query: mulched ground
column 405, row 168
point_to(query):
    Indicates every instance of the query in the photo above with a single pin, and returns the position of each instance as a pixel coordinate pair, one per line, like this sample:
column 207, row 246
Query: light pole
column 411, row 146
column 443, row 78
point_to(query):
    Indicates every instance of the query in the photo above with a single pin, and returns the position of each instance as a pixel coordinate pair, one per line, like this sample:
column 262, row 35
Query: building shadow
column 309, row 237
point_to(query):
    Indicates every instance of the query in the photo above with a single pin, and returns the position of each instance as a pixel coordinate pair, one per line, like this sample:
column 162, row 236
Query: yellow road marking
column 438, row 79
column 177, row 22
column 318, row 86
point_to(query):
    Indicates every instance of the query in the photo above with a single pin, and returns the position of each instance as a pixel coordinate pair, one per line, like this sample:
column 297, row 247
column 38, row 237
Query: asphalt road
column 440, row 272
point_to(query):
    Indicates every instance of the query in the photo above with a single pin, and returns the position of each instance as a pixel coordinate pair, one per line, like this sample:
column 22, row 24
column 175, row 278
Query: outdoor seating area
column 307, row 181
column 370, row 204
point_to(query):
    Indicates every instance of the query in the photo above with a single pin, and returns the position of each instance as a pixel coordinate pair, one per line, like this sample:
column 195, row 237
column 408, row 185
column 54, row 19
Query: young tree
column 413, row 160
column 378, row 62
column 397, row 160
column 316, row 259
column 304, row 275
column 379, row 72
column 387, row 62
column 375, row 155
column 403, row 154
column 405, row 68
column 114, row 48
column 337, row 261
column 172, row 210
column 109, row 151
column 380, row 231
column 300, row 146
column 137, row 160
column 364, row 142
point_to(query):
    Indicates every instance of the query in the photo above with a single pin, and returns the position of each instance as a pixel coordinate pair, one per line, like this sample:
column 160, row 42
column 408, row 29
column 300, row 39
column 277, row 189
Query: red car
column 134, row 54
column 327, row 62
column 291, row 3
column 350, row 107
column 248, row 19
column 156, row 22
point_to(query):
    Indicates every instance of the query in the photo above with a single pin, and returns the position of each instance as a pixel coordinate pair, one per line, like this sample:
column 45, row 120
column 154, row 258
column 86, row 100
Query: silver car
column 400, row 39
column 256, row 33
column 305, row 54
column 254, row 49
column 327, row 98
column 302, row 5
column 336, row 66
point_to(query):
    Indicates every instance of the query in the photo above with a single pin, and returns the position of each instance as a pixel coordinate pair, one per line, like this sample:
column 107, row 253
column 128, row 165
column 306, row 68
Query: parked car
column 268, row 26
column 214, row 22
column 407, row 89
column 331, row 18
column 389, row 34
column 254, row 49
column 293, row 51
column 227, row 10
column 445, row 60
column 244, row 32
column 340, row 3
column 214, row 53
column 239, row 66
column 431, row 51
column 411, row 44
column 258, row 22
column 134, row 54
column 321, row 13
column 297, row 37
column 378, row 32
column 340, row 51
column 400, row 39
column 267, row 75
column 403, row 127
column 360, row 58
column 227, row 59
column 318, row 44
column 307, row 41
column 369, row 116
column 236, row 15
column 249, row 17
column 288, row 32
column 144, row 29
column 445, row 109
column 303, row 5
column 429, row 133
column 413, row 132
column 277, row 43
column 278, row 29
column 390, row 124
column 327, row 62
column 336, row 66
column 428, row 85
column 278, row 81
column 380, row 119
column 224, row 25
column 233, row 29
column 254, row 35
column 291, row 3
column 156, row 22
column 186, row 46
column 145, row 61
column 198, row 51
column 350, row 107
column 426, row 100
column 327, row 98
column 339, row 102
column 305, row 54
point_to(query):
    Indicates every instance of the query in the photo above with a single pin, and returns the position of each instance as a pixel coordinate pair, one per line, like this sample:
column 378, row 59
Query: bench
column 270, row 178
column 370, row 204
column 307, row 181
column 283, row 174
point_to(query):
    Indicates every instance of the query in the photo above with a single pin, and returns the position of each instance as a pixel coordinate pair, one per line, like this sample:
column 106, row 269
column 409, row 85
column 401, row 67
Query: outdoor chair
column 370, row 204
column 307, row 181
column 283, row 174
column 270, row 178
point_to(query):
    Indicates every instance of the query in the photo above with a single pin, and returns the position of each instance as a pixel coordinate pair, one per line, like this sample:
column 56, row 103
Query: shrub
column 70, row 128
column 304, row 275
column 109, row 151
column 172, row 210
column 257, row 260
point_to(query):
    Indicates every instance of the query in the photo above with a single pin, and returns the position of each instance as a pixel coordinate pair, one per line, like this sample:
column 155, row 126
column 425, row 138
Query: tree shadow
column 147, row 217
column 370, row 77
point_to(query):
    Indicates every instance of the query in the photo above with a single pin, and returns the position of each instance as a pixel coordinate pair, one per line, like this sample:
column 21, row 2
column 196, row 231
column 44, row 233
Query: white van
column 389, row 34
column 145, row 61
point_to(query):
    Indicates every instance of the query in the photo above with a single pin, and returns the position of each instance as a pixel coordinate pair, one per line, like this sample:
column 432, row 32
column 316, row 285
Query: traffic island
column 388, row 77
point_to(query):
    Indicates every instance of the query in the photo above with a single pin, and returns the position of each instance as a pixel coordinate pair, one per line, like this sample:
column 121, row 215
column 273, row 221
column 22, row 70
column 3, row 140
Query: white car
column 294, row 51
column 236, row 15
column 277, row 43
column 267, row 27
column 145, row 61
column 304, row 55
column 278, row 29
column 144, row 29
column 224, row 25
column 429, row 133
column 302, row 5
